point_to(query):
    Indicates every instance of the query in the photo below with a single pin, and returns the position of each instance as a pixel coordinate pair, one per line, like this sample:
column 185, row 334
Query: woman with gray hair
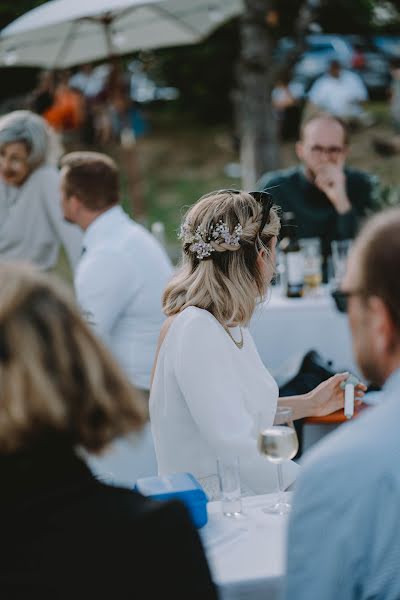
column 31, row 222
column 210, row 389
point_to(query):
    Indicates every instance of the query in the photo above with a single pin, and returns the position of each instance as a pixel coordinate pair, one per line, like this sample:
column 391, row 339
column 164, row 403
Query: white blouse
column 32, row 226
column 206, row 400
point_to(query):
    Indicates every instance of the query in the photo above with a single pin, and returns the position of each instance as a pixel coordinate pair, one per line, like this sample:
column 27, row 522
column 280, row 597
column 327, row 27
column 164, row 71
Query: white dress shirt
column 340, row 96
column 32, row 226
column 207, row 399
column 119, row 283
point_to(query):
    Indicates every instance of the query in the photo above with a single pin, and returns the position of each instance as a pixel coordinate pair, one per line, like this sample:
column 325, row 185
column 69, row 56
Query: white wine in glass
column 279, row 443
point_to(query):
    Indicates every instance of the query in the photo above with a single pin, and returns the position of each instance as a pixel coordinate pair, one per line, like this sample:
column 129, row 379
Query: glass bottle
column 293, row 257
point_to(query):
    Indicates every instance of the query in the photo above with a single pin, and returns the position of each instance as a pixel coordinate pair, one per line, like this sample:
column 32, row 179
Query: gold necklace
column 238, row 344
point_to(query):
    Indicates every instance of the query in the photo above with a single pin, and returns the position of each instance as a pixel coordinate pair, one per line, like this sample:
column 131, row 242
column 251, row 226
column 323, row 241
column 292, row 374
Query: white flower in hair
column 201, row 241
column 221, row 231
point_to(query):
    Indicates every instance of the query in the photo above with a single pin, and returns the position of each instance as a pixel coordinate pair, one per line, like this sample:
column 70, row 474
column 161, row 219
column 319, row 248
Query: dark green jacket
column 315, row 214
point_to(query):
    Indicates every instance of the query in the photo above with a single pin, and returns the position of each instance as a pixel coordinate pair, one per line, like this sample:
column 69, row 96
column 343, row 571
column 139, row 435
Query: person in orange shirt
column 68, row 110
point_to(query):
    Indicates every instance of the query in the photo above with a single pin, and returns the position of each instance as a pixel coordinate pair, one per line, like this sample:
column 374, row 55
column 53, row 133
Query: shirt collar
column 102, row 226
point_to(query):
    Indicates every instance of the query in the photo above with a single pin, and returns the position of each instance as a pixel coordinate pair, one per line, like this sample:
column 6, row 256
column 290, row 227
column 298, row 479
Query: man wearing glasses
column 344, row 533
column 327, row 198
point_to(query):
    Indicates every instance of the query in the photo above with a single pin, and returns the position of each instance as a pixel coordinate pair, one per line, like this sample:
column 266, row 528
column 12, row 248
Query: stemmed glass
column 279, row 443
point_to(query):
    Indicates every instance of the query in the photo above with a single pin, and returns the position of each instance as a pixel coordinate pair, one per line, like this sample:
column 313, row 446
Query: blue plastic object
column 177, row 486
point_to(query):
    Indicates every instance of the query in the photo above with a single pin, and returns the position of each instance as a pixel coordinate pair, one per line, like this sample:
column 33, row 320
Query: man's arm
column 104, row 285
column 331, row 179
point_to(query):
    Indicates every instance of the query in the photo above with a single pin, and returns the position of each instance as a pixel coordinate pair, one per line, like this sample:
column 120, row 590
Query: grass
column 181, row 161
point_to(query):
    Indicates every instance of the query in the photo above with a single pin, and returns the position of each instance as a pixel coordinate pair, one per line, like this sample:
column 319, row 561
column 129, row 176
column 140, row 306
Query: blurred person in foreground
column 349, row 487
column 31, row 221
column 65, row 534
column 328, row 198
column 123, row 269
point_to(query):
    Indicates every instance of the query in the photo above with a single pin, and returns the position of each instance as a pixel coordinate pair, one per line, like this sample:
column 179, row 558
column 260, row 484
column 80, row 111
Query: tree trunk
column 259, row 148
column 258, row 129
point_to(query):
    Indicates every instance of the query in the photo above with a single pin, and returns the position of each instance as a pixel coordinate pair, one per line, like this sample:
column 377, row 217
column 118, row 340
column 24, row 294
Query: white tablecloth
column 246, row 555
column 284, row 329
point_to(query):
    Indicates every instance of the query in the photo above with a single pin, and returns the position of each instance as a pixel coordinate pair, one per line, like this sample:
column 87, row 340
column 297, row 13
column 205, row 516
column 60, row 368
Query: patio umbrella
column 64, row 33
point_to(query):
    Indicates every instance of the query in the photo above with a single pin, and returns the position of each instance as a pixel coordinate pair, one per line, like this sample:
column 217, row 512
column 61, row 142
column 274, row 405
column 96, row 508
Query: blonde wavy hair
column 55, row 376
column 229, row 282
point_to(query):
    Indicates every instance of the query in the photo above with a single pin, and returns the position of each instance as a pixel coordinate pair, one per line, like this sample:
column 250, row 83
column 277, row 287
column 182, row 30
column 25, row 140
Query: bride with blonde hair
column 210, row 388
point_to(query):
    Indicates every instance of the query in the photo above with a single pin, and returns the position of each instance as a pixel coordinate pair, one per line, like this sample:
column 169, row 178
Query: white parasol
column 64, row 33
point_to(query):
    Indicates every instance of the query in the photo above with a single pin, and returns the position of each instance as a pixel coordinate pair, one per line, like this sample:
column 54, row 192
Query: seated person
column 328, row 198
column 344, row 531
column 64, row 534
column 341, row 93
column 32, row 226
column 210, row 388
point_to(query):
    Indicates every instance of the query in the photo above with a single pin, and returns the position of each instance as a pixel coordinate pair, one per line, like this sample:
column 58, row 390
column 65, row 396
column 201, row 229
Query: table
column 285, row 329
column 246, row 555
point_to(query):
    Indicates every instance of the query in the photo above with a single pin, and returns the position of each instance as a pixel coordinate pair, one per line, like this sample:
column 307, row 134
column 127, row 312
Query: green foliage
column 347, row 16
column 203, row 73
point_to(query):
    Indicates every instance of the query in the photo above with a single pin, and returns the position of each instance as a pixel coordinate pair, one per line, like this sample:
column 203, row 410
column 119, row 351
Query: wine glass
column 279, row 443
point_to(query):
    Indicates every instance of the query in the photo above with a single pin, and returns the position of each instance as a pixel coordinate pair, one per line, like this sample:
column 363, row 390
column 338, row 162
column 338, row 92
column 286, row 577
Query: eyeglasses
column 330, row 151
column 264, row 198
column 341, row 299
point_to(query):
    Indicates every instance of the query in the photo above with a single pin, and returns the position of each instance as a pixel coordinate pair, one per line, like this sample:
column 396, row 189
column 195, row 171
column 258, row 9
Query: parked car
column 372, row 66
column 352, row 52
column 388, row 45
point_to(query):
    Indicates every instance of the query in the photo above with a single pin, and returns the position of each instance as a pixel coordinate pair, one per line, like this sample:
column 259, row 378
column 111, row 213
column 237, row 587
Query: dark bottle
column 293, row 257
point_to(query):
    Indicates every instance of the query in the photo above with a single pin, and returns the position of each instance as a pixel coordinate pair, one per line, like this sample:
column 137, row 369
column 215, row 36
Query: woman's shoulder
column 194, row 318
column 44, row 174
column 192, row 322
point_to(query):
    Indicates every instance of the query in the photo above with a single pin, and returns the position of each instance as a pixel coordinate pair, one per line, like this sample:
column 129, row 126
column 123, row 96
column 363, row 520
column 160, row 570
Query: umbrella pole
column 128, row 154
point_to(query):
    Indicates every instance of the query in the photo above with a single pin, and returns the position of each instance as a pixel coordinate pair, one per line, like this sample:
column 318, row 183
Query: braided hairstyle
column 229, row 280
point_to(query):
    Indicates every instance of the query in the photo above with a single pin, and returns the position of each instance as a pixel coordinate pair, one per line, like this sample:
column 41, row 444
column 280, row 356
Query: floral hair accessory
column 216, row 239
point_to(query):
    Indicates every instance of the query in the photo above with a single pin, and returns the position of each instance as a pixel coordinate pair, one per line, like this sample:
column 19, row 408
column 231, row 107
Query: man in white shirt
column 123, row 270
column 340, row 93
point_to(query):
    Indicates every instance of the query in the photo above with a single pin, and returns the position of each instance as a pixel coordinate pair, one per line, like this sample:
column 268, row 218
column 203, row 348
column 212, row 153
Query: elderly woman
column 31, row 223
column 64, row 534
column 210, row 389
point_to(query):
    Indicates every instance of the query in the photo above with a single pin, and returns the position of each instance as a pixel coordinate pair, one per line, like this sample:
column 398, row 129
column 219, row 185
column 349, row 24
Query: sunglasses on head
column 264, row 198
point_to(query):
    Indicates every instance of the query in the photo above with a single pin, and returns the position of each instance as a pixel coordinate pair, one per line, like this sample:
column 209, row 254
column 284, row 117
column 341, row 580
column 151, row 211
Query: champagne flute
column 279, row 443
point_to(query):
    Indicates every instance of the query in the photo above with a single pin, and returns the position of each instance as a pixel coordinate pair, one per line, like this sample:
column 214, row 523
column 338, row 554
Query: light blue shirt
column 344, row 531
column 119, row 284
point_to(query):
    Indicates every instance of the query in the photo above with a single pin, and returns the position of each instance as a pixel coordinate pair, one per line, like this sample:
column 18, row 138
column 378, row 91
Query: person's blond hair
column 55, row 376
column 228, row 283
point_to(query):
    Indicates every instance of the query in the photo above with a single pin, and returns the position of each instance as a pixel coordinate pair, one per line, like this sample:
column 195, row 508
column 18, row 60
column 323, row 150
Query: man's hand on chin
column 331, row 180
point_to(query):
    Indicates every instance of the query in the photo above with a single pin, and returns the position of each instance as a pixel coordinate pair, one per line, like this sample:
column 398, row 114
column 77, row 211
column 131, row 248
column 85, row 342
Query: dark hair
column 379, row 244
column 335, row 64
column 92, row 177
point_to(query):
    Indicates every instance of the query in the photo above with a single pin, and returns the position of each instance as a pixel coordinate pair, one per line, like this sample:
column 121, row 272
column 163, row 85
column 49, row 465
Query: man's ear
column 75, row 202
column 381, row 323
